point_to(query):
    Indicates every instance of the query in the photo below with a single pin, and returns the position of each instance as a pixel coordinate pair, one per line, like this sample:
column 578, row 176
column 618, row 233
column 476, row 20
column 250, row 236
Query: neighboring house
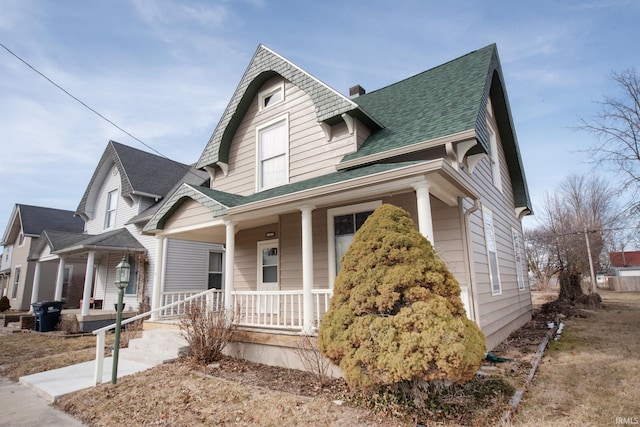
column 127, row 187
column 625, row 271
column 22, row 234
column 296, row 168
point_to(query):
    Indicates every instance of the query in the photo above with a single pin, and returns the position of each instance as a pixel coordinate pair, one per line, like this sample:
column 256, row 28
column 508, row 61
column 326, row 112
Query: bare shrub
column 207, row 332
column 312, row 359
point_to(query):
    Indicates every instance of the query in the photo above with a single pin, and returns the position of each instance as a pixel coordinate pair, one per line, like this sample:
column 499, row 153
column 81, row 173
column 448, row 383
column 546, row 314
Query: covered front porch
column 79, row 270
column 279, row 256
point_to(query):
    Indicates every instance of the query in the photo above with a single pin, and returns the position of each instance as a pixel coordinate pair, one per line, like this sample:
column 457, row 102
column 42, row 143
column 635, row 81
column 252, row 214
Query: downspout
column 470, row 269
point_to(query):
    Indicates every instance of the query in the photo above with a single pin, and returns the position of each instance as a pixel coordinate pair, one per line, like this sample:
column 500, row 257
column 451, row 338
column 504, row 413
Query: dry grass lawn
column 28, row 353
column 590, row 376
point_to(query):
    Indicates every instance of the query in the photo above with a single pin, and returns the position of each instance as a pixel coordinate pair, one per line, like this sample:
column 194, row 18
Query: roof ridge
column 492, row 45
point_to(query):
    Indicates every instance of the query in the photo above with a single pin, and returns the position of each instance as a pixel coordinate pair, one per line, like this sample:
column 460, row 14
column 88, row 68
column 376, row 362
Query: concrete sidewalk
column 22, row 407
column 58, row 382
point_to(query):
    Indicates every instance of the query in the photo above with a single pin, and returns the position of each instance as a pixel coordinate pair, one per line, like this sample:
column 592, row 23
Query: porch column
column 158, row 283
column 229, row 261
column 59, row 280
column 307, row 268
column 36, row 286
column 88, row 283
column 425, row 222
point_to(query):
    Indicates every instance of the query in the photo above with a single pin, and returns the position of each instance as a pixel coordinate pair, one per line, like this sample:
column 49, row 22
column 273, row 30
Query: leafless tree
column 617, row 127
column 582, row 208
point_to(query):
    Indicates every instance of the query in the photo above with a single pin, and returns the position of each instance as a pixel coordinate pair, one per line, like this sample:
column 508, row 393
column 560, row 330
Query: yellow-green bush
column 396, row 313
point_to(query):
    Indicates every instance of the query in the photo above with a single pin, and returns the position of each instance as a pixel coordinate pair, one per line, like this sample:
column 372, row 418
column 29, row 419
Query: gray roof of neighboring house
column 140, row 172
column 64, row 242
column 35, row 219
column 193, row 176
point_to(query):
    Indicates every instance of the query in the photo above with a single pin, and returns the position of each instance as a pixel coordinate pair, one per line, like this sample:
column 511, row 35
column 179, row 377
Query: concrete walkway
column 58, row 382
column 22, row 407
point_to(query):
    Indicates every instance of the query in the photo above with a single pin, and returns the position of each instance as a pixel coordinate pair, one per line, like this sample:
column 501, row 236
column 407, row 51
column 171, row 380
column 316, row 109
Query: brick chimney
column 356, row 91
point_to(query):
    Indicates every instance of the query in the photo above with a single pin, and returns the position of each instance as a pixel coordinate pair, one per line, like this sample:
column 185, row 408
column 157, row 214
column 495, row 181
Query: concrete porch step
column 156, row 346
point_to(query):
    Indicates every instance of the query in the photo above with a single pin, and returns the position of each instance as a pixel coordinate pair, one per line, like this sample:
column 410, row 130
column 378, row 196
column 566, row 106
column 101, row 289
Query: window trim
column 487, row 212
column 108, row 210
column 331, row 244
column 209, row 271
column 273, row 243
column 259, row 129
column 268, row 91
column 517, row 253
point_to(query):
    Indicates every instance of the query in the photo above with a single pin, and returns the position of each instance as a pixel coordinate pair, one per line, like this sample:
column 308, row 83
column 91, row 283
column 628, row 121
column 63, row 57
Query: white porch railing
column 258, row 309
column 261, row 309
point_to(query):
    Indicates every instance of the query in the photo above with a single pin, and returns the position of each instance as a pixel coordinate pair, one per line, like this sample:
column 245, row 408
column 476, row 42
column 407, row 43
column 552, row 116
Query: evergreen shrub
column 396, row 314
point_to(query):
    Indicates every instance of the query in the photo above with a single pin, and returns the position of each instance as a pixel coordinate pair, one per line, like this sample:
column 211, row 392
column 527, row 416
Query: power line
column 84, row 104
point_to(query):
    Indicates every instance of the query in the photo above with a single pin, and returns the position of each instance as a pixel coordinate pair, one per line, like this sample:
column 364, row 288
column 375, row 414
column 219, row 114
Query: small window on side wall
column 271, row 96
column 214, row 280
column 492, row 252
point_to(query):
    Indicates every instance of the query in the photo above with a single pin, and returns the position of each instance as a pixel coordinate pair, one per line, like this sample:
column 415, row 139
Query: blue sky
column 164, row 70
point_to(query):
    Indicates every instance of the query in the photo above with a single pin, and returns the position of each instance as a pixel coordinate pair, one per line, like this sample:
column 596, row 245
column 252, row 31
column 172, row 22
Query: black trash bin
column 47, row 315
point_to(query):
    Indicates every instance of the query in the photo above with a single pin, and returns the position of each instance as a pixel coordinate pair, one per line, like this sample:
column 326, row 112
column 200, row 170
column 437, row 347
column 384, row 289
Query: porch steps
column 155, row 347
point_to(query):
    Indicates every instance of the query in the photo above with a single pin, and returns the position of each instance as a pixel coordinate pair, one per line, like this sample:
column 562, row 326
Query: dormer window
column 271, row 96
column 110, row 214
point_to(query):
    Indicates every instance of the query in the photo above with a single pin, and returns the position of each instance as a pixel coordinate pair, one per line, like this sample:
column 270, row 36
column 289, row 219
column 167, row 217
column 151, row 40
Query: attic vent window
column 271, row 96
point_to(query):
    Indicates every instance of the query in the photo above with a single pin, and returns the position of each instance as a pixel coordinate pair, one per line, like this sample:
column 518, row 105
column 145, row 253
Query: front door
column 268, row 276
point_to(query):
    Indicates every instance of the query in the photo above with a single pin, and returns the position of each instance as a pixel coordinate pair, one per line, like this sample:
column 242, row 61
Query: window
column 21, row 239
column 110, row 215
column 271, row 96
column 490, row 238
column 214, row 280
column 342, row 224
column 518, row 258
column 268, row 262
column 273, row 147
column 132, row 287
column 66, row 280
column 16, row 282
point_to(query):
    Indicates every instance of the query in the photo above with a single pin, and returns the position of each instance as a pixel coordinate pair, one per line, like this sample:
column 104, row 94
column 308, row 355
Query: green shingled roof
column 441, row 101
column 218, row 201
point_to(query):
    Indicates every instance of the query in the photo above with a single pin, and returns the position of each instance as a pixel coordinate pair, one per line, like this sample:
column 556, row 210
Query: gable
column 33, row 220
column 266, row 64
column 141, row 173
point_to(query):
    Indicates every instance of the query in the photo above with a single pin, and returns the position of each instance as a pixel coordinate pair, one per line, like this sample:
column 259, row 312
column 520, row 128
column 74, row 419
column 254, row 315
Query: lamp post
column 123, row 269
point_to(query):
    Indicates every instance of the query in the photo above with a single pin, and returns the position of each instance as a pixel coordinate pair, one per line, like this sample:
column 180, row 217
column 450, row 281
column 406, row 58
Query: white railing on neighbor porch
column 176, row 302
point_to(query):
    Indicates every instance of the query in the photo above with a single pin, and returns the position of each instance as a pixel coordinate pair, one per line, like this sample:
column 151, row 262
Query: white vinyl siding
column 187, row 264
